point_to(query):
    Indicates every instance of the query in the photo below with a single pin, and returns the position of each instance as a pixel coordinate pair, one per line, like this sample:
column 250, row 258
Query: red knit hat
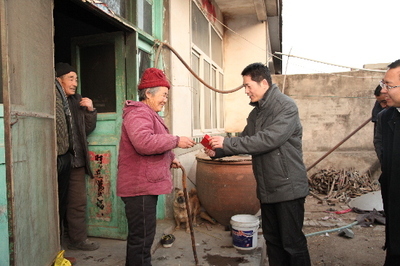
column 153, row 77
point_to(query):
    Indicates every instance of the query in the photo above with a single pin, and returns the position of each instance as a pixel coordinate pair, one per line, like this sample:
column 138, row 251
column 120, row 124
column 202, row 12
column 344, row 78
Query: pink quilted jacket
column 145, row 153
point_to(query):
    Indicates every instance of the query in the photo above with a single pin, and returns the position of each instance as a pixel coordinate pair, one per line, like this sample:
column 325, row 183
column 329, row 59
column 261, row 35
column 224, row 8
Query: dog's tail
column 204, row 215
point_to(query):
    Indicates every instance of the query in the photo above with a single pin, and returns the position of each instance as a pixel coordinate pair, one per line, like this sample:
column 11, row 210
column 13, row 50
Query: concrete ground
column 214, row 244
column 213, row 247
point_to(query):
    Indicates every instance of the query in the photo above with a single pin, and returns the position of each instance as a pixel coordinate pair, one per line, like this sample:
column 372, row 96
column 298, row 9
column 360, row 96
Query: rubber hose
column 332, row 230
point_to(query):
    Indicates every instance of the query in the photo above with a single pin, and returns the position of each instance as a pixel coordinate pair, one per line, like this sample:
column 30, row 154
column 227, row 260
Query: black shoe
column 167, row 240
column 84, row 245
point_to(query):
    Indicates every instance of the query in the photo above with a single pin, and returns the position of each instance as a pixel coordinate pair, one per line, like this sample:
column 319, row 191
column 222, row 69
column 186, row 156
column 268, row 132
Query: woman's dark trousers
column 141, row 215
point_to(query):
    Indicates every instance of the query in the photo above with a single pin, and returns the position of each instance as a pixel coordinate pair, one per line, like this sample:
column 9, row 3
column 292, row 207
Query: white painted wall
column 246, row 45
column 180, row 95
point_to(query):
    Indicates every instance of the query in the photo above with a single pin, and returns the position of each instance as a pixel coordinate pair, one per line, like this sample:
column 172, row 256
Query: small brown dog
column 180, row 212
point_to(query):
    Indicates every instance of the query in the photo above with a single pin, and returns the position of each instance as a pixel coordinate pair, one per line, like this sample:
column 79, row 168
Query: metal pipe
column 340, row 143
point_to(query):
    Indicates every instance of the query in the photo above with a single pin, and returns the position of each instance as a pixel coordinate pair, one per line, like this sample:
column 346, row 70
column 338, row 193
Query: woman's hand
column 185, row 142
column 176, row 163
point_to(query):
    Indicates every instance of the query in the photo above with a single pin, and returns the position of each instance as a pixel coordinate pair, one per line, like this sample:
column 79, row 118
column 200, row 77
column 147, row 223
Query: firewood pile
column 341, row 185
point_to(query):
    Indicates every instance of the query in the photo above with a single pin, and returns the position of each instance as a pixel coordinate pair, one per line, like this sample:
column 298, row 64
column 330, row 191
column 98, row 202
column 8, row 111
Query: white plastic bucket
column 244, row 231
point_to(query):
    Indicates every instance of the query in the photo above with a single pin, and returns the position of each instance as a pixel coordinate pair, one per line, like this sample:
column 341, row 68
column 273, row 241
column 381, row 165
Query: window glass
column 207, row 96
column 116, row 6
column 221, row 105
column 216, row 44
column 200, row 30
column 196, row 92
column 144, row 61
column 144, row 15
column 97, row 76
column 213, row 98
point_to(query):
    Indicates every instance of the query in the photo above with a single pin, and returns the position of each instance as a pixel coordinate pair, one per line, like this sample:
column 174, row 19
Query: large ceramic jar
column 226, row 186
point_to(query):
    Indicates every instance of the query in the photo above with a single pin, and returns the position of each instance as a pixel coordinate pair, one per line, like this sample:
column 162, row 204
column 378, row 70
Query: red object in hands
column 206, row 142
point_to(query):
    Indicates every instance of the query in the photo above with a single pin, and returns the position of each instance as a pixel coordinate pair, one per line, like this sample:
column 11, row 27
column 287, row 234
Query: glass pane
column 97, row 76
column 207, row 97
column 221, row 102
column 200, row 33
column 214, row 99
column 216, row 48
column 144, row 13
column 116, row 6
column 196, row 92
column 144, row 61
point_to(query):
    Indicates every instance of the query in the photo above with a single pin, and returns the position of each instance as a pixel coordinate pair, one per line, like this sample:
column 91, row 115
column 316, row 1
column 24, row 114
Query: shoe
column 167, row 240
column 71, row 259
column 84, row 245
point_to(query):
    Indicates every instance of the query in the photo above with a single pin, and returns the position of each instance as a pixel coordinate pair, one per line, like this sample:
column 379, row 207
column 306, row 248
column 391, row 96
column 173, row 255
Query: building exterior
column 111, row 42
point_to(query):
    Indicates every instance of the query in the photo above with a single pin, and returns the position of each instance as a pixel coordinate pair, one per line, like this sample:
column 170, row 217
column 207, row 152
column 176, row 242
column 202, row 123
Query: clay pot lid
column 235, row 158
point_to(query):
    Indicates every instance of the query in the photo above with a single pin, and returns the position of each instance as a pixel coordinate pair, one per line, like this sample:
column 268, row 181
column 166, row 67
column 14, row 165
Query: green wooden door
column 100, row 62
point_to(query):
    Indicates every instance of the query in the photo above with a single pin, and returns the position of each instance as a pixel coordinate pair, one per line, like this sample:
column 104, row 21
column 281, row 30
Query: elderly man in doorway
column 84, row 117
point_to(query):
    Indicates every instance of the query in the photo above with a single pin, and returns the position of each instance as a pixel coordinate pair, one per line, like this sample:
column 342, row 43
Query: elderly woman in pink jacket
column 144, row 162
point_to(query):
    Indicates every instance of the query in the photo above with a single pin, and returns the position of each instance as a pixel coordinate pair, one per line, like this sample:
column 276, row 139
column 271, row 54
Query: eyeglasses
column 383, row 85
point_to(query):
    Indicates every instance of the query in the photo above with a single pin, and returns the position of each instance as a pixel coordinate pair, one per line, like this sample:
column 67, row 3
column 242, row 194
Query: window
column 138, row 12
column 116, row 6
column 206, row 62
column 144, row 11
column 99, row 59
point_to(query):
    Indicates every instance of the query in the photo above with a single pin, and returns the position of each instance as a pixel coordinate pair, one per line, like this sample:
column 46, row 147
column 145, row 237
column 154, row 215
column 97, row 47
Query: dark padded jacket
column 387, row 143
column 273, row 136
column 84, row 122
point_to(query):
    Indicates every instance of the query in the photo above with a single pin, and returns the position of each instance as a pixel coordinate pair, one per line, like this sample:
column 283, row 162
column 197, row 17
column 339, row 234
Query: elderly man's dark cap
column 63, row 68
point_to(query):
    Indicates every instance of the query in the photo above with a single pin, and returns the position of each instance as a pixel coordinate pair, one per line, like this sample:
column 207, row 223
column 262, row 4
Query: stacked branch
column 342, row 185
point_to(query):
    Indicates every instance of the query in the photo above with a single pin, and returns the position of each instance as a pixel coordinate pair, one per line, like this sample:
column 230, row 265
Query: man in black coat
column 387, row 141
column 379, row 105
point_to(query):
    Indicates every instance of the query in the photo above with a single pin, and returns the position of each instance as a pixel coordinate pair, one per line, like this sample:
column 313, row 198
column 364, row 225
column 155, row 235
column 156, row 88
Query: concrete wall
column 331, row 106
column 180, row 101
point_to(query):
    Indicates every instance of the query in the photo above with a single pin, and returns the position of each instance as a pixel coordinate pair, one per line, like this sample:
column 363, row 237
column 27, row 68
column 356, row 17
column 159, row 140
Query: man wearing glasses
column 387, row 143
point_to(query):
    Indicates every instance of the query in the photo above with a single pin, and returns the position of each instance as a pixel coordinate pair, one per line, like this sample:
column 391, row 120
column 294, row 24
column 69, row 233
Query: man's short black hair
column 258, row 72
column 394, row 64
column 377, row 91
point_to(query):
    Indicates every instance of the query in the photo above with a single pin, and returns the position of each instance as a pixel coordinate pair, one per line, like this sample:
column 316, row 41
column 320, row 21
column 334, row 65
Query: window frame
column 215, row 80
column 216, row 99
